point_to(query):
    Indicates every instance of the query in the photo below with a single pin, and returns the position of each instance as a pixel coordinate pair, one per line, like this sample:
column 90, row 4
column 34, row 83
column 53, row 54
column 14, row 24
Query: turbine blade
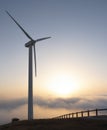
column 40, row 39
column 35, row 59
column 19, row 26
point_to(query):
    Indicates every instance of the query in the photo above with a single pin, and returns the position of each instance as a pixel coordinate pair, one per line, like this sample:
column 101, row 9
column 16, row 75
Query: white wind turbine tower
column 29, row 44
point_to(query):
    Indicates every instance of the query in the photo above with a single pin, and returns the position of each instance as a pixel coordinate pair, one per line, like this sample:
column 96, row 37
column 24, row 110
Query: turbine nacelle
column 30, row 43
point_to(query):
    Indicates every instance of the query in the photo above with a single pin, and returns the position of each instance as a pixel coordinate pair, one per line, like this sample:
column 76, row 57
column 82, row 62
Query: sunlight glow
column 63, row 86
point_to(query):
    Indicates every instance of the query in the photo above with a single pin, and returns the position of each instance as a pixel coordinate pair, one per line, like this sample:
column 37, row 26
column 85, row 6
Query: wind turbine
column 29, row 44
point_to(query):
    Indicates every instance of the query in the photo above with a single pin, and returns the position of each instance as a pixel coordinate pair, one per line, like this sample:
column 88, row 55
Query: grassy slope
column 65, row 124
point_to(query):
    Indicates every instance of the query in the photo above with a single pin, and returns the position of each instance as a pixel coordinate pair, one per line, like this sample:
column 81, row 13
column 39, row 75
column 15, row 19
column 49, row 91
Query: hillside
column 64, row 124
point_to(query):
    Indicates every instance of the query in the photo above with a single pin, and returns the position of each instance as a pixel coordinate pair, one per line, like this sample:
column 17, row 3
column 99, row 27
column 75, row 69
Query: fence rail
column 87, row 113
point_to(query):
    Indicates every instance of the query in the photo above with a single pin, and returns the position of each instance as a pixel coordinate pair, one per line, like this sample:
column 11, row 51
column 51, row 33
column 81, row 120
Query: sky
column 71, row 66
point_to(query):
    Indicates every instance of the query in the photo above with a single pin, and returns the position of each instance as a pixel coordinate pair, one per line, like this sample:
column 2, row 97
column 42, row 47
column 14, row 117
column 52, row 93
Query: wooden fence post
column 82, row 114
column 69, row 115
column 72, row 115
column 88, row 112
column 76, row 114
column 96, row 112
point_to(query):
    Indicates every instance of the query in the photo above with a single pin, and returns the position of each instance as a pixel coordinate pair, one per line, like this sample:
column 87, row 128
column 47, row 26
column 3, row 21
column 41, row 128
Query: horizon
column 71, row 66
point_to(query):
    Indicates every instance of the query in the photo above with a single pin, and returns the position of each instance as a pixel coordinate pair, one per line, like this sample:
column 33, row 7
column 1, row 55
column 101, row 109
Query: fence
column 87, row 113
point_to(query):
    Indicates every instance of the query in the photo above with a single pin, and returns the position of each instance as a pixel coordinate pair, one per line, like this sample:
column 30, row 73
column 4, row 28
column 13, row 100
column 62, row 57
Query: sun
column 63, row 85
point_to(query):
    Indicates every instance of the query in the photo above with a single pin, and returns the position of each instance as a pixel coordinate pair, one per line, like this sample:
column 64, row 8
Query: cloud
column 12, row 104
column 57, row 103
column 72, row 103
column 18, row 107
column 78, row 103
